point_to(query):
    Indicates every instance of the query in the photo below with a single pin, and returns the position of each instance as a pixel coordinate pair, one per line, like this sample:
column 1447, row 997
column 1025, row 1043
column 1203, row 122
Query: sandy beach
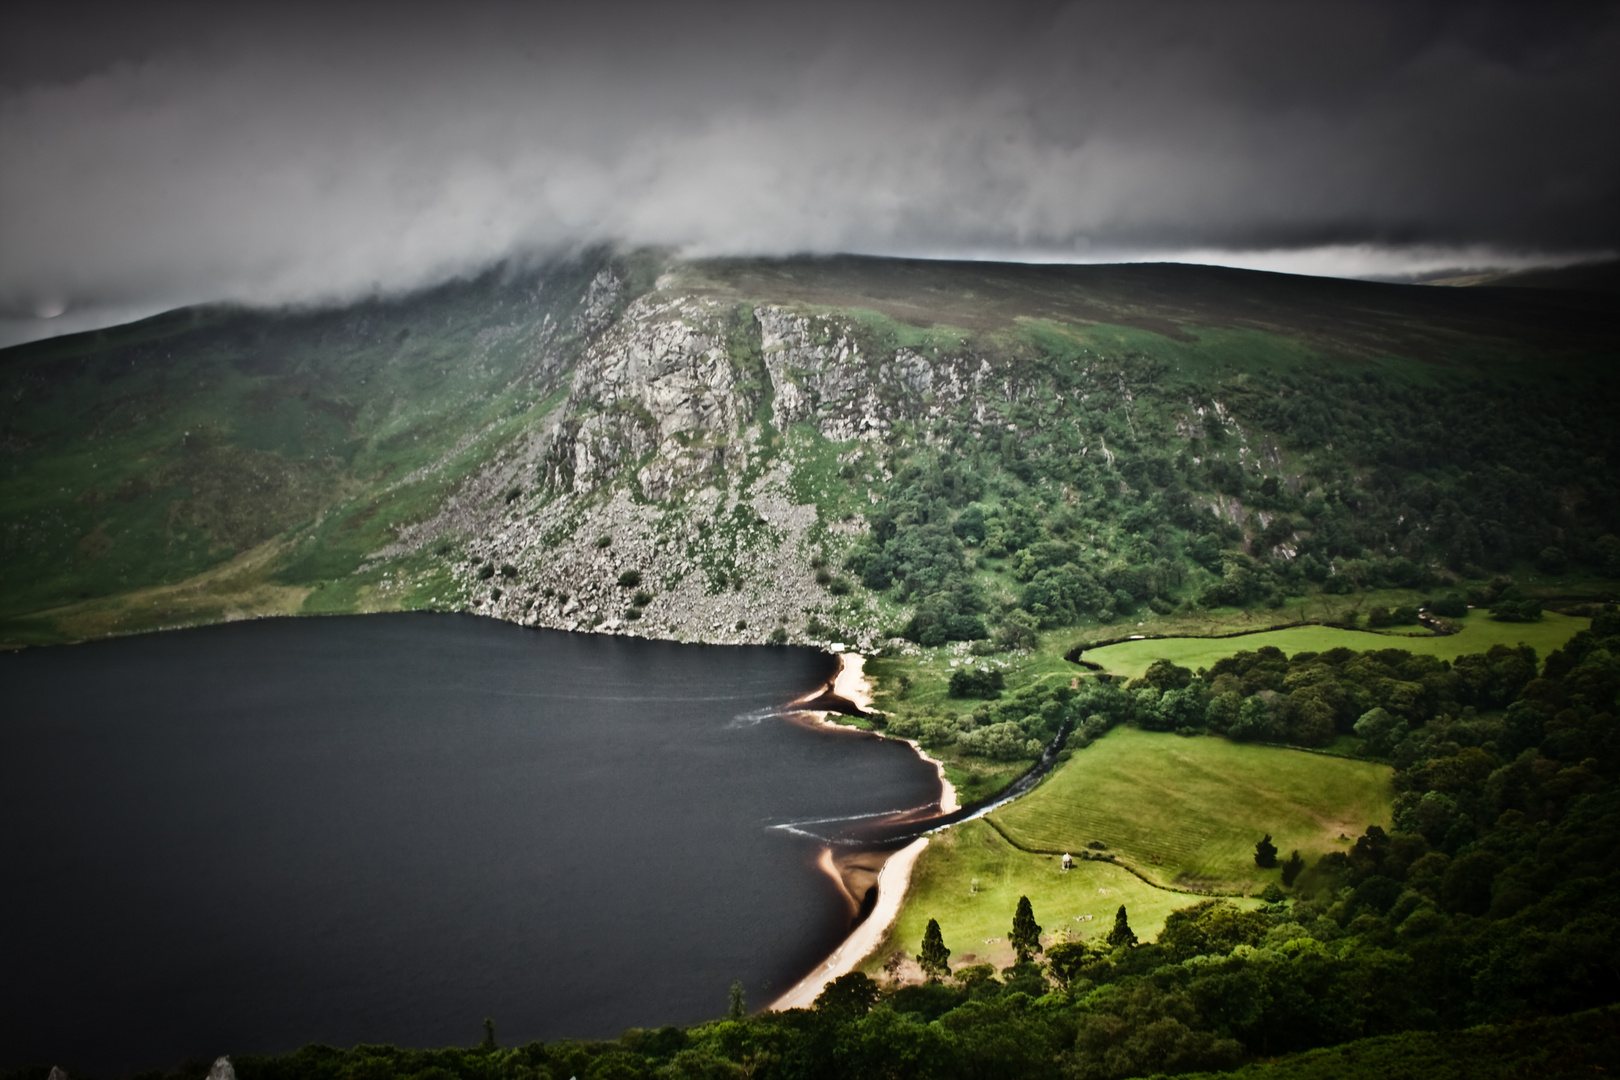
column 892, row 882
column 850, row 682
column 892, row 879
column 851, row 685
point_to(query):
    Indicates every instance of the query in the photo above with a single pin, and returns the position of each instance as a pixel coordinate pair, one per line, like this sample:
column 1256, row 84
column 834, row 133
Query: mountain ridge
column 741, row 433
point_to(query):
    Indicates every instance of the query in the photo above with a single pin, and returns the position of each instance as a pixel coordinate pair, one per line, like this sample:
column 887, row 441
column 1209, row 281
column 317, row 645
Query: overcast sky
column 158, row 154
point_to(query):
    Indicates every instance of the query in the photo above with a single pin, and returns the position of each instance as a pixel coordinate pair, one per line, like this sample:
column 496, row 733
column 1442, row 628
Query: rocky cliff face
column 676, row 462
column 821, row 376
column 682, row 460
column 665, row 392
column 657, row 396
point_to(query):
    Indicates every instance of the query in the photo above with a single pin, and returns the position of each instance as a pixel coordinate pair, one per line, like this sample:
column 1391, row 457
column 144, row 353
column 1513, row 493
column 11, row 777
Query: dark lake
column 384, row 828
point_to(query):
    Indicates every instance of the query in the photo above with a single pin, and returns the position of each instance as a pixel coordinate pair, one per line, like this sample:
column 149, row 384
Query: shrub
column 1516, row 610
column 603, row 541
column 1451, row 606
column 629, row 579
column 1005, row 741
column 977, row 682
column 508, row 570
column 486, row 571
column 642, row 598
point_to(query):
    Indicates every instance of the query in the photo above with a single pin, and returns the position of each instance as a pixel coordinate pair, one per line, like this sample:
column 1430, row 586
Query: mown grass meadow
column 970, row 879
column 1479, row 632
column 1188, row 811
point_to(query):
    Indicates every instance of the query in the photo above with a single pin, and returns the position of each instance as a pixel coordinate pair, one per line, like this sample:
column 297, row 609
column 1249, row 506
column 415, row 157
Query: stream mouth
column 892, row 829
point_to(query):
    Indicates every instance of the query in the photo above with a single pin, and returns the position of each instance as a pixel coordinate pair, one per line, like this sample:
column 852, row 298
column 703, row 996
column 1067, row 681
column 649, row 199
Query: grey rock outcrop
column 657, row 386
column 679, row 453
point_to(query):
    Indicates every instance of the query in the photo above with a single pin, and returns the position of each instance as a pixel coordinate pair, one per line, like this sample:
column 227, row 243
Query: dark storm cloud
column 158, row 154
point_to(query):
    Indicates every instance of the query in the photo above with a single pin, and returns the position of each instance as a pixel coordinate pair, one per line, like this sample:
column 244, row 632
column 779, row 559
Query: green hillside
column 985, row 452
column 216, row 461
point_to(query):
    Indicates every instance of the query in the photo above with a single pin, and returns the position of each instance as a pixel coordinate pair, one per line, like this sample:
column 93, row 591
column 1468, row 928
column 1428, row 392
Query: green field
column 975, row 919
column 1479, row 632
column 1187, row 812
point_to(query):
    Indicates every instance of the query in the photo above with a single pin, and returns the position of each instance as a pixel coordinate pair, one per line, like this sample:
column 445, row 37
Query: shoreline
column 893, row 876
column 850, row 684
column 892, row 884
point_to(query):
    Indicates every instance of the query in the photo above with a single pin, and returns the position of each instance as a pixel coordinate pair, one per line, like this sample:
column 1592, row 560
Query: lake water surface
column 384, row 828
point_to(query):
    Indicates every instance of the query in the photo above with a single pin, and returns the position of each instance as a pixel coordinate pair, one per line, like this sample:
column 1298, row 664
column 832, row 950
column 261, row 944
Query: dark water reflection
column 384, row 828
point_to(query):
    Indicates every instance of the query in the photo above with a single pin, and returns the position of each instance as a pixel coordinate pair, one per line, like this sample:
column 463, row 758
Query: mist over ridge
column 300, row 154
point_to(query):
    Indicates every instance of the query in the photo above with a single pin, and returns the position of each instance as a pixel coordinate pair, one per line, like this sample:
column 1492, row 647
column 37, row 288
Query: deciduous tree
column 848, row 997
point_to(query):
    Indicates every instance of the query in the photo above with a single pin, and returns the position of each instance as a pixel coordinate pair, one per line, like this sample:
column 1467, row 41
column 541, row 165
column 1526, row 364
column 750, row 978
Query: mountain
column 830, row 449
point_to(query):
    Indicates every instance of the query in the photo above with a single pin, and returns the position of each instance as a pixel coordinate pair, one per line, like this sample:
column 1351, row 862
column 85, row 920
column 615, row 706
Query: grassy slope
column 212, row 463
column 929, row 671
column 1479, row 632
column 1188, row 811
column 1360, row 321
column 975, row 923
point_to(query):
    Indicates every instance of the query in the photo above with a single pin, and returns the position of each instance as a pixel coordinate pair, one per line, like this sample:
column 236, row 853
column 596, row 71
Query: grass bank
column 1187, row 811
column 970, row 879
column 1478, row 633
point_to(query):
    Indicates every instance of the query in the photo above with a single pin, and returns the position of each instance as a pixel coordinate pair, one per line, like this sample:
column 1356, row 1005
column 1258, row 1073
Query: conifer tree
column 737, row 1003
column 935, row 958
column 1026, row 933
column 1121, row 934
column 1292, row 868
column 1265, row 853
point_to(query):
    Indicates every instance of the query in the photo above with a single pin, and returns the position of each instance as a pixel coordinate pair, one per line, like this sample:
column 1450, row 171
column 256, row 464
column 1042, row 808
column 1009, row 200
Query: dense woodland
column 1493, row 900
column 1381, row 485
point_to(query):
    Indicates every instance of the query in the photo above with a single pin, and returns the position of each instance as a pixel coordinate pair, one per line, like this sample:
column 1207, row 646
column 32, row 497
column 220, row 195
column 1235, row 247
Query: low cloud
column 290, row 155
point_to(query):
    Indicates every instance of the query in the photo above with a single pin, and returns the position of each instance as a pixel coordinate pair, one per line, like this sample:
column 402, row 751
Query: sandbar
column 891, row 886
column 850, row 682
